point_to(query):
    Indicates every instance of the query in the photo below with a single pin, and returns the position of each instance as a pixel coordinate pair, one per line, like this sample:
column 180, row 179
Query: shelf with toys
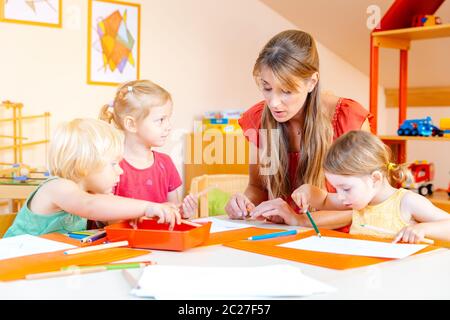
column 216, row 146
column 405, row 138
column 404, row 22
column 402, row 37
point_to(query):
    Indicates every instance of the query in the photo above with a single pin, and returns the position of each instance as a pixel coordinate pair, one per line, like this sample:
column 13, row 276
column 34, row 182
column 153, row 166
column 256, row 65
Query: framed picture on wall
column 35, row 12
column 113, row 42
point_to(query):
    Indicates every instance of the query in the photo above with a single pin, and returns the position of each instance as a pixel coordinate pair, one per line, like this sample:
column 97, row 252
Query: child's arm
column 189, row 205
column 308, row 195
column 68, row 196
column 433, row 223
column 330, row 219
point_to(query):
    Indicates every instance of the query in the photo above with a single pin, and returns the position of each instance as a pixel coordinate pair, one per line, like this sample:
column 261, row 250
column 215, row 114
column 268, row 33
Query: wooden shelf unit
column 417, row 138
column 400, row 37
column 410, row 34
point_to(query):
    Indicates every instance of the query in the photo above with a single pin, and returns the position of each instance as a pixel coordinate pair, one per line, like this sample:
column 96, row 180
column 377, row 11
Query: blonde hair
column 135, row 99
column 292, row 56
column 359, row 153
column 81, row 146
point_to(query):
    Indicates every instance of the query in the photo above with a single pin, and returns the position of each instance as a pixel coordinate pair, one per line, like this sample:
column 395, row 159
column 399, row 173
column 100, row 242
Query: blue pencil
column 273, row 235
column 77, row 236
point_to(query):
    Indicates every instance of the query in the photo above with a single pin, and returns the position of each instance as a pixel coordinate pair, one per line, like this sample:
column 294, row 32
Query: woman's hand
column 276, row 211
column 189, row 206
column 239, row 206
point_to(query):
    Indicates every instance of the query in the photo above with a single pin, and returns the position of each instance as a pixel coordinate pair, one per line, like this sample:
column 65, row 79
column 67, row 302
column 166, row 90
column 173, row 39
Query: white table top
column 424, row 276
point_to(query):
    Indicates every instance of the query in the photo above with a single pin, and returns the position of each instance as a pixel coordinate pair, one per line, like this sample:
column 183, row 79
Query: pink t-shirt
column 151, row 184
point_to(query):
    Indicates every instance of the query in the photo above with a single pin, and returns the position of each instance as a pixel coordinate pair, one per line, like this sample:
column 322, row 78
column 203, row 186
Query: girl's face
column 103, row 181
column 354, row 192
column 284, row 104
column 155, row 128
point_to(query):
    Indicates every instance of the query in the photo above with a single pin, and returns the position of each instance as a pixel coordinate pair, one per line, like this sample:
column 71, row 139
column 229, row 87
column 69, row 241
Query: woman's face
column 284, row 104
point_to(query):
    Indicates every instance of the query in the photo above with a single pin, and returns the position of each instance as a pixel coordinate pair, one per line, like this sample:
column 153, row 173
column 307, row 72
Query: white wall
column 202, row 51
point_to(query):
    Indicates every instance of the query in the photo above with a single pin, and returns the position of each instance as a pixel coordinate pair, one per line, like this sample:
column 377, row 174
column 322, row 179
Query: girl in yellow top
column 358, row 166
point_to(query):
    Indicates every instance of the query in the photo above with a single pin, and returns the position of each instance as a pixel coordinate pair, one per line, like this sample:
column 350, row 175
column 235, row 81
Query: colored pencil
column 53, row 274
column 96, row 236
column 313, row 223
column 77, row 236
column 72, row 270
column 274, row 235
column 201, row 193
column 86, row 233
column 97, row 247
column 189, row 223
column 114, row 266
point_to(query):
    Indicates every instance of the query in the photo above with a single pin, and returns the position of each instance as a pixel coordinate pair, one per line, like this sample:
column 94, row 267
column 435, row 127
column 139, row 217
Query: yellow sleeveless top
column 386, row 215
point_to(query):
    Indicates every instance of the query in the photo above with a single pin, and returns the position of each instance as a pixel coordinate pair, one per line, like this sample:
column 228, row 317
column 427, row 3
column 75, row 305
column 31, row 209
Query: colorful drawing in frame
column 113, row 42
column 34, row 12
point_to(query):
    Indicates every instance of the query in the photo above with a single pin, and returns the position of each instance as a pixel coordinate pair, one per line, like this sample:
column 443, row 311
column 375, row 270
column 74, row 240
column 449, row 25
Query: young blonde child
column 83, row 161
column 142, row 110
column 358, row 166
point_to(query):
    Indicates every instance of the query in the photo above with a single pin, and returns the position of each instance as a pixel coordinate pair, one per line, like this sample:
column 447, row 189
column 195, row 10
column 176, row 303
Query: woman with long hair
column 294, row 126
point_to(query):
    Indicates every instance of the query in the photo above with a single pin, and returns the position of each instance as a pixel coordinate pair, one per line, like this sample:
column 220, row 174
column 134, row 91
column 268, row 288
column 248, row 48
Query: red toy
column 419, row 177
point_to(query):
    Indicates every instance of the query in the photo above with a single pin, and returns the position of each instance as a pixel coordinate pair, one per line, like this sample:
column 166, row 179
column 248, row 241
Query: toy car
column 419, row 127
column 419, row 177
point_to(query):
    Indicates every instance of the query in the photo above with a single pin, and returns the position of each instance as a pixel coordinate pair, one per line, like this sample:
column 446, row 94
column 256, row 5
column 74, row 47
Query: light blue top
column 28, row 222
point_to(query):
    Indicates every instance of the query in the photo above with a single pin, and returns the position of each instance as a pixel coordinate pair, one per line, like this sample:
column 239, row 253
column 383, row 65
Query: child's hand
column 189, row 206
column 411, row 234
column 166, row 212
column 302, row 196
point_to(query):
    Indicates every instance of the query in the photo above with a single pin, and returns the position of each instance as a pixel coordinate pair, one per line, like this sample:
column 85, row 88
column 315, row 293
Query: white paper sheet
column 25, row 245
column 183, row 282
column 355, row 247
column 219, row 225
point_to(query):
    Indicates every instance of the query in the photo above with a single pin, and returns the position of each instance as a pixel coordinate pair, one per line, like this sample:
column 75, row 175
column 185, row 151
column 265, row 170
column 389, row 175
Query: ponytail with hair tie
column 397, row 172
column 391, row 166
column 107, row 112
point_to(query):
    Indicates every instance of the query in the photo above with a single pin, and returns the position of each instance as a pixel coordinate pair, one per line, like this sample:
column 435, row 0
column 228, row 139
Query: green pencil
column 113, row 266
column 313, row 223
column 73, row 270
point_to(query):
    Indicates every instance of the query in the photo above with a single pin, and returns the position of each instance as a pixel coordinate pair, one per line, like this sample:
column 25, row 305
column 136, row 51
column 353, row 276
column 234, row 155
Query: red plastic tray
column 152, row 235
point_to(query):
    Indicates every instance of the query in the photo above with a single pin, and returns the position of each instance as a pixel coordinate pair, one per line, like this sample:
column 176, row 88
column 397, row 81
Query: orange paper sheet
column 18, row 268
column 235, row 235
column 322, row 259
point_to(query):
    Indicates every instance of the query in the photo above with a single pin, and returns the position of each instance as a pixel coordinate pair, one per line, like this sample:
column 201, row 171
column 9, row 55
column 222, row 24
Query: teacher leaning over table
column 293, row 126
